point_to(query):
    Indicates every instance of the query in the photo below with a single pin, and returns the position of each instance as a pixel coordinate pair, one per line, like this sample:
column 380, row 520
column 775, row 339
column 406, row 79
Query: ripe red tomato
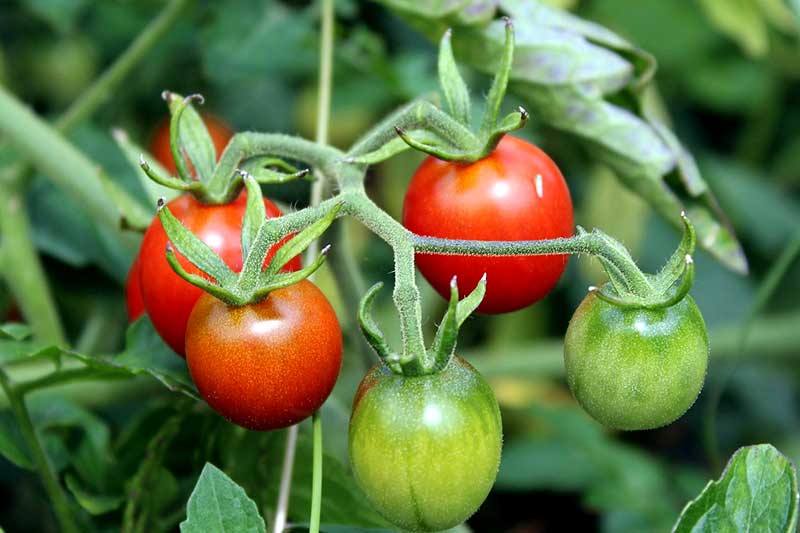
column 266, row 365
column 133, row 292
column 159, row 145
column 516, row 193
column 168, row 298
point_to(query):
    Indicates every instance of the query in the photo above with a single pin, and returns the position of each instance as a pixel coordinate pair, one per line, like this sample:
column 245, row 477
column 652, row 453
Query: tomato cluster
column 245, row 361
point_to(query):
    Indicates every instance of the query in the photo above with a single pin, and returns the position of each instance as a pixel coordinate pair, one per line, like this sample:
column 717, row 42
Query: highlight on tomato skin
column 219, row 131
column 266, row 365
column 425, row 449
column 516, row 193
column 168, row 298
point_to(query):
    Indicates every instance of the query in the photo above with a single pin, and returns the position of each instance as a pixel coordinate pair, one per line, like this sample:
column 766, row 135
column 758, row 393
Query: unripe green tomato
column 636, row 368
column 425, row 450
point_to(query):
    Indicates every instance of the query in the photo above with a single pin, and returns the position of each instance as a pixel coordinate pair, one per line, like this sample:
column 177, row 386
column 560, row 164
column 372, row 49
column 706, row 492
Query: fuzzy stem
column 55, row 491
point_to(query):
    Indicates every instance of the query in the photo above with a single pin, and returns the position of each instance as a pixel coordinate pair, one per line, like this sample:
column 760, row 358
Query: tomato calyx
column 664, row 289
column 259, row 235
column 213, row 181
column 452, row 138
column 443, row 347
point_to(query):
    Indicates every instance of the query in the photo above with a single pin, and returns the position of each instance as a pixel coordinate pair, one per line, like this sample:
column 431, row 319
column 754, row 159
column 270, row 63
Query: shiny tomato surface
column 220, row 134
column 516, row 193
column 168, row 298
column 266, row 365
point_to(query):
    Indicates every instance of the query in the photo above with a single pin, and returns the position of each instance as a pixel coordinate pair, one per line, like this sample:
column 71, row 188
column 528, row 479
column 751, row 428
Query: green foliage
column 757, row 492
column 219, row 505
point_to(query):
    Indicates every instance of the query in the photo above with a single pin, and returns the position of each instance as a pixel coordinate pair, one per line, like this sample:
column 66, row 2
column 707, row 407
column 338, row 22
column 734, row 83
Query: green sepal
column 283, row 280
column 187, row 131
column 199, row 281
column 255, row 214
column 498, row 90
column 193, row 248
column 675, row 265
column 168, row 181
column 372, row 332
column 444, row 344
column 397, row 146
column 300, row 242
column 455, row 90
column 432, row 145
column 262, row 169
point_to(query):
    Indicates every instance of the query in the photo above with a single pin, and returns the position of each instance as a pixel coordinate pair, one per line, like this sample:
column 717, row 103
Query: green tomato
column 425, row 450
column 636, row 368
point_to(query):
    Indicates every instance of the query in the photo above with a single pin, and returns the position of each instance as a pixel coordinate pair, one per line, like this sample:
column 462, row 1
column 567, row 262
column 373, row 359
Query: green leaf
column 756, row 492
column 219, row 505
column 455, row 90
column 96, row 504
column 15, row 331
column 12, row 444
column 146, row 353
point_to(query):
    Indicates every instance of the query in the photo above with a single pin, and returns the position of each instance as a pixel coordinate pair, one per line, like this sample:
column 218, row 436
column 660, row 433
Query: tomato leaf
column 218, row 504
column 756, row 492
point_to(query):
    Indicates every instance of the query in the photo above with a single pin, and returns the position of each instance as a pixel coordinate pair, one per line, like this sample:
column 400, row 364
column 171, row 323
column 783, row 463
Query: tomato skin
column 134, row 301
column 266, row 365
column 496, row 198
column 159, row 144
column 636, row 368
column 168, row 298
column 425, row 450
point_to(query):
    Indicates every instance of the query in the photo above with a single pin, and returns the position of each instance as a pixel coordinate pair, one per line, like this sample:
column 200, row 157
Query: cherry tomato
column 266, row 365
column 636, row 368
column 516, row 193
column 159, row 145
column 133, row 292
column 168, row 298
column 425, row 450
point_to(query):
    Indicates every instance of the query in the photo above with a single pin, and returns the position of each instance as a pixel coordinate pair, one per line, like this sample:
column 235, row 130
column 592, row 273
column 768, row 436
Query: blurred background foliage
column 728, row 73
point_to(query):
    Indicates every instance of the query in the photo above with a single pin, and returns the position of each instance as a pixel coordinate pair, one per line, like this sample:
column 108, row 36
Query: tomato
column 159, row 145
column 133, row 291
column 636, row 368
column 168, row 298
column 425, row 450
column 516, row 193
column 266, row 365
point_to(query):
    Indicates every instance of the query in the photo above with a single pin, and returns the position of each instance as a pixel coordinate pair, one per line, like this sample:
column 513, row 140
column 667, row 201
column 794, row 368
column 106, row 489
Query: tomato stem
column 316, row 480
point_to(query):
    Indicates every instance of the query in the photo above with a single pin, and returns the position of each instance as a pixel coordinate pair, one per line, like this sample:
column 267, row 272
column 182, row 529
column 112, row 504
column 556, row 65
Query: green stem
column 23, row 270
column 316, row 480
column 58, row 497
column 59, row 377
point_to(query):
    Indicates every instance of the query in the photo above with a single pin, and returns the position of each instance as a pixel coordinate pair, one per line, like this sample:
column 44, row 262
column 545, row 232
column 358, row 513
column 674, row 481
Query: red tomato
column 516, row 193
column 168, row 298
column 266, row 365
column 159, row 145
column 133, row 291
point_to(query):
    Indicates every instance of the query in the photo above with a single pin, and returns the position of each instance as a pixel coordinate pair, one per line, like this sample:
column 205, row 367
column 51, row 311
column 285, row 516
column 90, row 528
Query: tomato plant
column 168, row 299
column 515, row 193
column 269, row 364
column 425, row 449
column 219, row 131
column 636, row 368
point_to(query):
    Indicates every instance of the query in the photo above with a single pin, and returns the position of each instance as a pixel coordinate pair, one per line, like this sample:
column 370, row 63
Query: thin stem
column 58, row 497
column 59, row 377
column 316, row 480
column 286, row 480
column 317, row 191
